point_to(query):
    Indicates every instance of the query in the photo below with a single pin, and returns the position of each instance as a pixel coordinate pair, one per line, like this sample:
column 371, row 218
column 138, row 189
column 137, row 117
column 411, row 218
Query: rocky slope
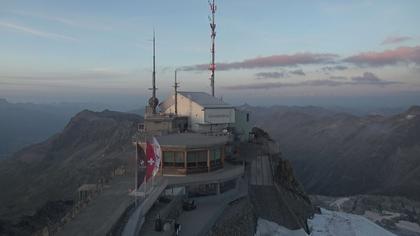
column 23, row 124
column 90, row 147
column 396, row 214
column 283, row 202
column 341, row 154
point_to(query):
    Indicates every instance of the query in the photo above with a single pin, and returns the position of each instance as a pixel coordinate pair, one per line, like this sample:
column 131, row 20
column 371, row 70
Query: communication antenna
column 176, row 86
column 153, row 101
column 212, row 67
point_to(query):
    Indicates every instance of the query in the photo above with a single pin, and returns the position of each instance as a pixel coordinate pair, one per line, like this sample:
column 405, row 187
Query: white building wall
column 219, row 115
column 187, row 107
column 198, row 115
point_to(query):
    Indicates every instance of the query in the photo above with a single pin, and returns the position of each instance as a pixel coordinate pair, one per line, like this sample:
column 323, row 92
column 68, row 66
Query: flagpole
column 136, row 165
column 145, row 186
column 136, row 173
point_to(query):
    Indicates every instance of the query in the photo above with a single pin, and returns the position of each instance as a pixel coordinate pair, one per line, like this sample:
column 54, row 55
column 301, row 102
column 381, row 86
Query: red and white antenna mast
column 212, row 67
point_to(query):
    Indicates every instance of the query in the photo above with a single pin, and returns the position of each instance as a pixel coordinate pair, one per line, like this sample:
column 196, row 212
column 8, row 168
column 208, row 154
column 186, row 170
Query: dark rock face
column 90, row 147
column 24, row 124
column 294, row 193
column 238, row 219
column 284, row 202
column 342, row 154
column 49, row 214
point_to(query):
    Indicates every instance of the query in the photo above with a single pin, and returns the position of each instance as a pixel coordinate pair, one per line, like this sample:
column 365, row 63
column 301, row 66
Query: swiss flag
column 158, row 155
column 151, row 161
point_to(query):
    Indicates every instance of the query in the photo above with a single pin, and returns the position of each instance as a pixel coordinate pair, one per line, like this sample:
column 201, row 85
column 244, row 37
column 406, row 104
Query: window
column 168, row 158
column 215, row 156
column 197, row 159
column 173, row 158
column 141, row 127
column 179, row 159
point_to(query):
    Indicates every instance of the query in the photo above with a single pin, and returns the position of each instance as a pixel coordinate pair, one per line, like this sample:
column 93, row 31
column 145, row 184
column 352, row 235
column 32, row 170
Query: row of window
column 173, row 159
column 194, row 158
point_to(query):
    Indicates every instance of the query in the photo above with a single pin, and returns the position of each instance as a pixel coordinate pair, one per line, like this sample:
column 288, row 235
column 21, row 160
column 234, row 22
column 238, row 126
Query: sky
column 327, row 53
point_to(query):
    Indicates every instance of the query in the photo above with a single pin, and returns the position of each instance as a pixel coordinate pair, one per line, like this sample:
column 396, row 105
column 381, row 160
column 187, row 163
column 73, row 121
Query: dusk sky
column 333, row 53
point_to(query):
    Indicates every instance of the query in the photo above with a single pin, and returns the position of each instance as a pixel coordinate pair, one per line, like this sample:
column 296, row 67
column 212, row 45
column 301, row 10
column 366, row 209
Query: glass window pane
column 217, row 154
column 179, row 157
column 168, row 156
column 191, row 157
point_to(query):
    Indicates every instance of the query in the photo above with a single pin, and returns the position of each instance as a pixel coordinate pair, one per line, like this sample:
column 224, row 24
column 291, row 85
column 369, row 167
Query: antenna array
column 212, row 67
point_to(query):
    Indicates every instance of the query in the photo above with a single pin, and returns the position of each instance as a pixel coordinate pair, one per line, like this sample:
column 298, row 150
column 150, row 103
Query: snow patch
column 414, row 227
column 344, row 224
column 269, row 228
column 375, row 216
column 339, row 202
column 328, row 223
column 409, row 117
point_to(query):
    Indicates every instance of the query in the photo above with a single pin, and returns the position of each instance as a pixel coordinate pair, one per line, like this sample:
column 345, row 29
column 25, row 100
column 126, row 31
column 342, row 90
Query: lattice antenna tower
column 212, row 67
column 176, row 86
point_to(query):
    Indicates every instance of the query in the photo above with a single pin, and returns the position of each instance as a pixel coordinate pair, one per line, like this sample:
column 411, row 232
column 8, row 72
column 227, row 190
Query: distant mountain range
column 40, row 181
column 332, row 152
column 22, row 124
column 91, row 146
column 335, row 153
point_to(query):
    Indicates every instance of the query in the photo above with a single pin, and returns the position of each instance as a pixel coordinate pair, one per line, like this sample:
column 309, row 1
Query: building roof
column 167, row 103
column 191, row 140
column 203, row 99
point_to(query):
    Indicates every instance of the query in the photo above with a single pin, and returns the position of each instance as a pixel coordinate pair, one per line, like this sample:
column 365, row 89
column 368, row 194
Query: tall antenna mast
column 153, row 101
column 176, row 86
column 154, row 65
column 212, row 68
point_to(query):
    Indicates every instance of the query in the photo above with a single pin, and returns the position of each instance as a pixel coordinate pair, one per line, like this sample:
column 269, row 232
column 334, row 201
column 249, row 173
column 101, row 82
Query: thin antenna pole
column 153, row 101
column 137, row 165
column 136, row 173
column 176, row 86
column 154, row 69
column 213, row 9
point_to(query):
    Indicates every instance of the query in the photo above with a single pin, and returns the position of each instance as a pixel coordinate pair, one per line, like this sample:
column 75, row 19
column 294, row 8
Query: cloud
column 36, row 32
column 396, row 39
column 375, row 59
column 372, row 79
column 388, row 57
column 270, row 85
column 65, row 21
column 367, row 78
column 278, row 75
column 338, row 77
column 271, row 61
column 297, row 72
column 271, row 75
column 334, row 68
column 98, row 73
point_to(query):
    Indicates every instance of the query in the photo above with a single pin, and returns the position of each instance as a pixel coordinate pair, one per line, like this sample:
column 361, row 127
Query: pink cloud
column 388, row 57
column 367, row 79
column 396, row 39
column 271, row 61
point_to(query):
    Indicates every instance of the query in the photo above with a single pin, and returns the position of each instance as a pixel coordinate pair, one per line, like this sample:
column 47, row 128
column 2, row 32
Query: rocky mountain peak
column 413, row 110
column 3, row 101
column 90, row 147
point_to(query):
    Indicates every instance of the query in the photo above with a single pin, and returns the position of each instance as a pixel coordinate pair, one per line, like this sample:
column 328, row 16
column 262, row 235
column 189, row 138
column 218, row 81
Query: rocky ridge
column 91, row 147
column 340, row 154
